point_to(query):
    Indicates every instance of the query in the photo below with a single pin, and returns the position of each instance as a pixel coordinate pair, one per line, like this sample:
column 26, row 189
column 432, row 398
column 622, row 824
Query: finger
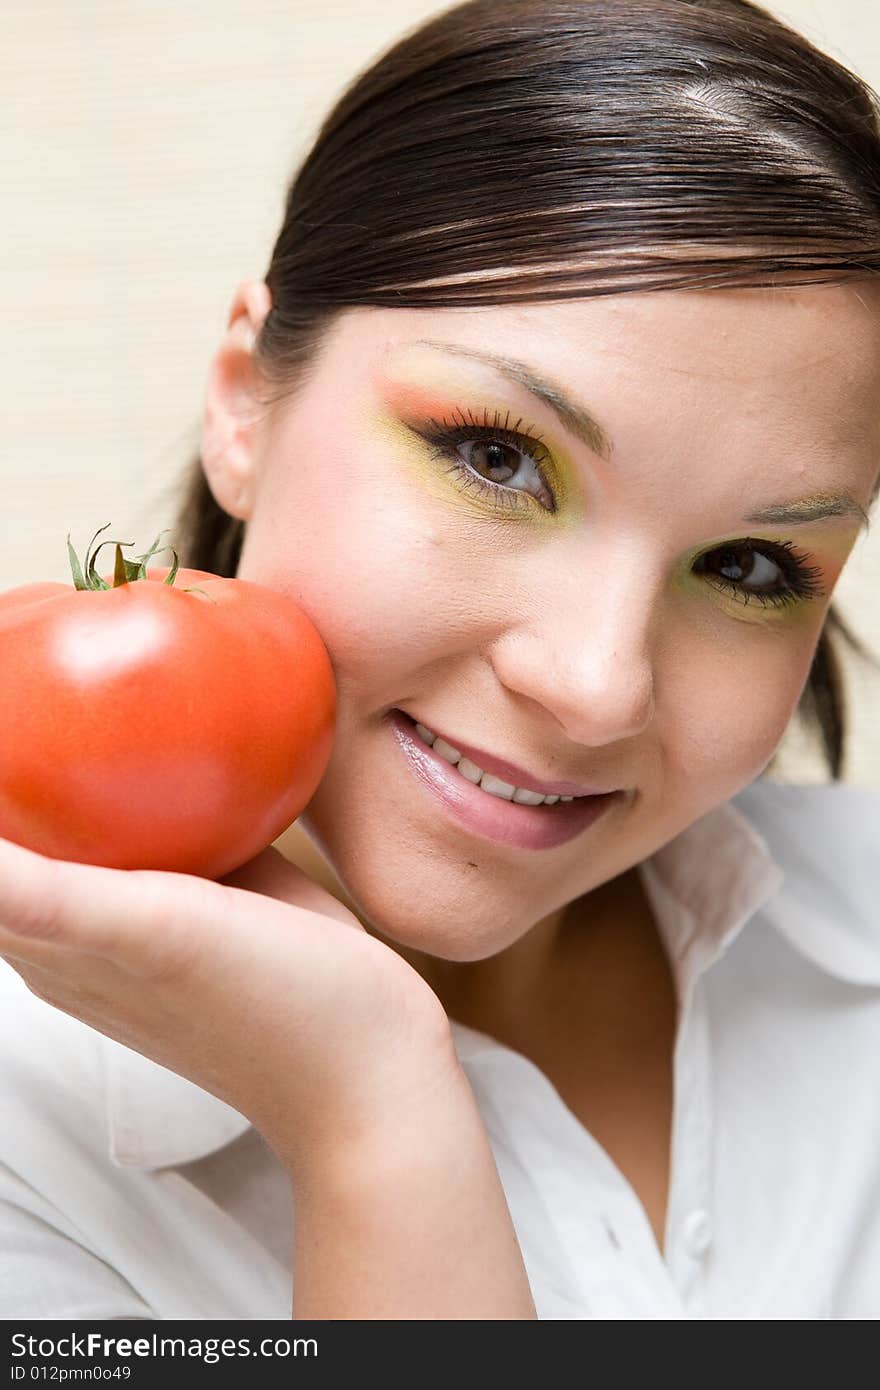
column 271, row 874
column 139, row 918
column 153, row 924
column 26, row 889
column 49, row 986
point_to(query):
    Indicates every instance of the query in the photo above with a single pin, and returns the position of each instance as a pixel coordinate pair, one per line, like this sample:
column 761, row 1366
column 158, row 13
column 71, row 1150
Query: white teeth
column 496, row 787
column 445, row 750
column 485, row 780
column 470, row 770
column 527, row 798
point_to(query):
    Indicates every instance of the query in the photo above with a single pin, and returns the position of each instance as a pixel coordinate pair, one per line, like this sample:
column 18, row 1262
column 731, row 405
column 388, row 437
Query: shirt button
column 697, row 1232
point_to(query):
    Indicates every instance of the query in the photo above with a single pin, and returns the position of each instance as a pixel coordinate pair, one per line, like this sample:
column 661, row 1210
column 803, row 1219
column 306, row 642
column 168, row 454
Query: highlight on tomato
column 160, row 718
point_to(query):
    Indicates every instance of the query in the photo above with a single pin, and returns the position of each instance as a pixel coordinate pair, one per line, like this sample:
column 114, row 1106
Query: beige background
column 148, row 145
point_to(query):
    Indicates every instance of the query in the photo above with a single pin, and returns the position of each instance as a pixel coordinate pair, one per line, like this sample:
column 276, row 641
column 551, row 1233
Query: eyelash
column 802, row 579
column 446, row 437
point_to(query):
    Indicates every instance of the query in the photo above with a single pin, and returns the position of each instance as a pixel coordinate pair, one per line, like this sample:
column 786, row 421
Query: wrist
column 390, row 1102
column 407, row 1218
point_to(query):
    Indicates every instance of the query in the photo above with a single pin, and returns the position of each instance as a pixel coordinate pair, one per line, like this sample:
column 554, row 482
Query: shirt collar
column 704, row 885
column 828, row 837
column 806, row 855
column 158, row 1119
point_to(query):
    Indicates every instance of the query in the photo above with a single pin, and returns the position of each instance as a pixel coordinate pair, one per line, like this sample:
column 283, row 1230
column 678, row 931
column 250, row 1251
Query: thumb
column 274, row 876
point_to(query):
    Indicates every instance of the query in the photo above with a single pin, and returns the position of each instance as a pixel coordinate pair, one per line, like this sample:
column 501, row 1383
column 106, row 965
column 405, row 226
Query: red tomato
column 146, row 727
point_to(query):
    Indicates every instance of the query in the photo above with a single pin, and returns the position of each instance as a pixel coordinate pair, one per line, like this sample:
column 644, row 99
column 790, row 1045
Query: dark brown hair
column 515, row 151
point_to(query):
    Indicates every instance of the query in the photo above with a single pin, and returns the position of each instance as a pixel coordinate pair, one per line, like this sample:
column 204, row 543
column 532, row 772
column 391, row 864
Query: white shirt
column 127, row 1191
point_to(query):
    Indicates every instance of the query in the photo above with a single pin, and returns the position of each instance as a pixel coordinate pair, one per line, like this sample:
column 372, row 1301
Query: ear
column 229, row 424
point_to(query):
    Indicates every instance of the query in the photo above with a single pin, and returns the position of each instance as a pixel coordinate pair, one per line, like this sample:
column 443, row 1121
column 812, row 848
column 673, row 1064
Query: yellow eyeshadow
column 703, row 589
column 413, row 408
column 800, row 612
column 431, row 479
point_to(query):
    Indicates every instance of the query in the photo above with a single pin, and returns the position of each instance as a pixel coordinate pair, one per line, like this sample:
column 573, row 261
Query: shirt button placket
column 691, row 1226
column 697, row 1233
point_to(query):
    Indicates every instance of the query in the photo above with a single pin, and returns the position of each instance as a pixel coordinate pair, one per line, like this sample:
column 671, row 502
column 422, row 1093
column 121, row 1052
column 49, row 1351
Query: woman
column 556, row 413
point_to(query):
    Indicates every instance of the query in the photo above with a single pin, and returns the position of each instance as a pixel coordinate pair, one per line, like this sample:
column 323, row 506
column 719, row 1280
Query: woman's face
column 600, row 615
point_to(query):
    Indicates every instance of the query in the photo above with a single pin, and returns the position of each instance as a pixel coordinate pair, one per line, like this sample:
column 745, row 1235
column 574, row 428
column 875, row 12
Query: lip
column 491, row 817
column 509, row 772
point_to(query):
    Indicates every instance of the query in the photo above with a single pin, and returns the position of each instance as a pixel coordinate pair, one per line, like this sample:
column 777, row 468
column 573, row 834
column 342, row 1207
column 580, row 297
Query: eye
column 494, row 459
column 770, row 572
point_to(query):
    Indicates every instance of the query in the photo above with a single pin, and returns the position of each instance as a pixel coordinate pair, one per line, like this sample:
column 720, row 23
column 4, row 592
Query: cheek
column 734, row 706
column 349, row 546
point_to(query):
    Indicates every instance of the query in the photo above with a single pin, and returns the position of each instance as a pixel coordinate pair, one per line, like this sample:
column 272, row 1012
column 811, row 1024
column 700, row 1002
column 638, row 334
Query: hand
column 261, row 988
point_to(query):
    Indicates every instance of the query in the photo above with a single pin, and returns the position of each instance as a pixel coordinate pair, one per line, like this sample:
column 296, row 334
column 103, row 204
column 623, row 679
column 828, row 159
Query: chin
column 446, row 940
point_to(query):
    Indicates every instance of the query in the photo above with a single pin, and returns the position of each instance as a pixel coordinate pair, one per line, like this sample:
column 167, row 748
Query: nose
column 585, row 654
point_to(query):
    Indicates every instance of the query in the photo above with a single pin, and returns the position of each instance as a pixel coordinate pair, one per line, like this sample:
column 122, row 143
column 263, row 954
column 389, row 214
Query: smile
column 485, row 780
column 479, row 809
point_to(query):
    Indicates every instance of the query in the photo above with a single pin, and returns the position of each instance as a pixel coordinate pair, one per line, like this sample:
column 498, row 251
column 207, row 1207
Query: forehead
column 705, row 331
column 792, row 355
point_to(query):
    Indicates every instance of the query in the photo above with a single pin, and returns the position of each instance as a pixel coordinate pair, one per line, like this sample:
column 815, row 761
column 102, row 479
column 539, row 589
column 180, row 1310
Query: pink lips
column 510, row 773
column 492, row 817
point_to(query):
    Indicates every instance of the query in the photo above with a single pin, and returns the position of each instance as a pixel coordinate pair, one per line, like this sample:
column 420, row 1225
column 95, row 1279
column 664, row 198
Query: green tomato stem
column 125, row 571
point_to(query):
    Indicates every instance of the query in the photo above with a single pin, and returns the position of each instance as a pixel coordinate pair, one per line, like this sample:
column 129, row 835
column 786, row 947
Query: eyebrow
column 581, row 423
